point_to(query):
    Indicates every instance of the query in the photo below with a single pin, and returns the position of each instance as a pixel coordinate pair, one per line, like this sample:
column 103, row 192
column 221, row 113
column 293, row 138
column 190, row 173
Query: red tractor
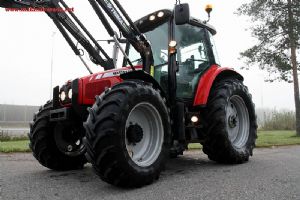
column 128, row 121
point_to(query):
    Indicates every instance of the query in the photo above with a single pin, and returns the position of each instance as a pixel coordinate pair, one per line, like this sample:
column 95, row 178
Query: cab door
column 194, row 56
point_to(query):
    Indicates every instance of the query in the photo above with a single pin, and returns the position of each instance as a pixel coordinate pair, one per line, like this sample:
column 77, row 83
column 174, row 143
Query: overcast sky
column 26, row 41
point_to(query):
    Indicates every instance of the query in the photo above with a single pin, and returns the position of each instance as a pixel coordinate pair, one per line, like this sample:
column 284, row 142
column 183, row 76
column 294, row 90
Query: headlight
column 194, row 119
column 70, row 94
column 160, row 14
column 152, row 18
column 62, row 96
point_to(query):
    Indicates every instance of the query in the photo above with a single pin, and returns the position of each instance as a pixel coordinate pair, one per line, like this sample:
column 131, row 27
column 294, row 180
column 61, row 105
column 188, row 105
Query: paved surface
column 270, row 174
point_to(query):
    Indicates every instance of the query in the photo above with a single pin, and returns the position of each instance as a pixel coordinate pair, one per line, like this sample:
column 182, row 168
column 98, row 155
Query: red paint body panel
column 95, row 84
column 205, row 83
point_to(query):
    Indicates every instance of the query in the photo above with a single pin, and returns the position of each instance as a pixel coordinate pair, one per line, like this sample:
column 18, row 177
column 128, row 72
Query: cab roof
column 145, row 24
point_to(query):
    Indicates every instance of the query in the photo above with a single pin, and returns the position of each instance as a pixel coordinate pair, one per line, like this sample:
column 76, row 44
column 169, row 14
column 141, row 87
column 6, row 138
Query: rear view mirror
column 182, row 14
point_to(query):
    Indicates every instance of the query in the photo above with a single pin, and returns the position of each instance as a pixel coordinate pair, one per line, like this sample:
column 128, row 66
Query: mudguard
column 208, row 78
column 144, row 76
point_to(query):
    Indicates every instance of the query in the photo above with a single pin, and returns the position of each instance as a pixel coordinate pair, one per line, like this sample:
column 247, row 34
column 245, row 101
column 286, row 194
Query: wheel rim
column 237, row 121
column 144, row 134
column 68, row 139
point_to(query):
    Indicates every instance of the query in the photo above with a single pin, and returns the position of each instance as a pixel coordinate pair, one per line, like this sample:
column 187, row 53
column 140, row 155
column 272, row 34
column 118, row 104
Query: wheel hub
column 134, row 134
column 68, row 139
column 232, row 121
column 237, row 121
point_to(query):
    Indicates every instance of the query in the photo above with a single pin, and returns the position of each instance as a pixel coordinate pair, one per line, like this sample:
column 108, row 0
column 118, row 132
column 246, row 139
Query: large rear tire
column 231, row 123
column 128, row 132
column 46, row 142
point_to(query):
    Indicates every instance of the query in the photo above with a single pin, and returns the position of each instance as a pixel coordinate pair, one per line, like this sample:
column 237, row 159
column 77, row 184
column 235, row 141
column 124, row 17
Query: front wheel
column 128, row 130
column 231, row 123
column 56, row 145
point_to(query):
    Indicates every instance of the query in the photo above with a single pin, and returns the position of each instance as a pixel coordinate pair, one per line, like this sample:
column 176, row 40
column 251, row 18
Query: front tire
column 46, row 143
column 128, row 131
column 231, row 123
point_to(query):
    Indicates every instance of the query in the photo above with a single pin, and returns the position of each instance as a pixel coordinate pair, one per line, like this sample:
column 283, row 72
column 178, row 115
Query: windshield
column 158, row 38
column 159, row 43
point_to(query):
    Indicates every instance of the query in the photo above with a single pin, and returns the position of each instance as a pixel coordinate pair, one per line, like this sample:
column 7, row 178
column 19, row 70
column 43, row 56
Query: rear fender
column 207, row 80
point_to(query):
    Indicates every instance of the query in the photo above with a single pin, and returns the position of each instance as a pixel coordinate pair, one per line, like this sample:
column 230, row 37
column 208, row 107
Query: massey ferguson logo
column 121, row 72
column 114, row 73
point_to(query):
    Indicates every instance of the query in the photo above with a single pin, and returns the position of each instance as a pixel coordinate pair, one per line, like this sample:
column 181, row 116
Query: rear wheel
column 128, row 132
column 56, row 145
column 232, row 127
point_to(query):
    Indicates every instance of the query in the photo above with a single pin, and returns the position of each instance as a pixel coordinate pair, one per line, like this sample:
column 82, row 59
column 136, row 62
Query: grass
column 195, row 146
column 269, row 139
column 14, row 146
column 265, row 139
column 277, row 138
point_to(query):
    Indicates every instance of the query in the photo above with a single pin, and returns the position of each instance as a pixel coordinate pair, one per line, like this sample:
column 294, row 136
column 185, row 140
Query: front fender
column 208, row 78
column 144, row 76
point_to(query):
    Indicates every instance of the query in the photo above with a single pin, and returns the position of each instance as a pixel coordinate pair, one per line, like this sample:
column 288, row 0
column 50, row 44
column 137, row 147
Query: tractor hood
column 95, row 84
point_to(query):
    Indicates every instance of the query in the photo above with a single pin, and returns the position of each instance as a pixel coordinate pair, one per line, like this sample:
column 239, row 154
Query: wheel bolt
column 232, row 121
column 70, row 148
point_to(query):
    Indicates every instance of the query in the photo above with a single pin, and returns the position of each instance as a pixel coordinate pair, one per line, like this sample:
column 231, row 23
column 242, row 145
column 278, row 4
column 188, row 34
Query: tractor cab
column 191, row 43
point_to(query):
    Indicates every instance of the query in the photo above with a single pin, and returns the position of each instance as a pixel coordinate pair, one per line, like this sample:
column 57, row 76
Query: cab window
column 192, row 57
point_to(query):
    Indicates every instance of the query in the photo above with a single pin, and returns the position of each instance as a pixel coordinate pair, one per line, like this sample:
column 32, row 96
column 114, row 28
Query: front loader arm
column 121, row 19
column 21, row 4
column 66, row 24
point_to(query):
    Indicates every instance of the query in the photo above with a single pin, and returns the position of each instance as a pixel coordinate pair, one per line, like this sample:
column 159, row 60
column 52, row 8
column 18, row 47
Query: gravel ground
column 270, row 174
